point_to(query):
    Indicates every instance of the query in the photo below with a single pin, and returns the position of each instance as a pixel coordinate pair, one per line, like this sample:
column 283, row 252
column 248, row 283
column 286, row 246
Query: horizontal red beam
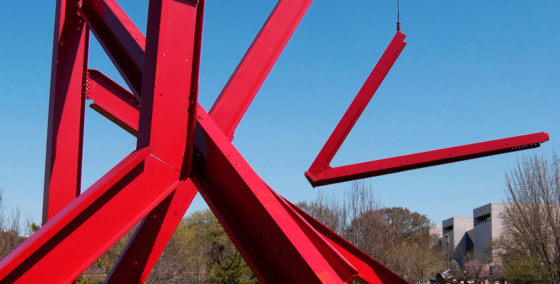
column 112, row 101
column 425, row 159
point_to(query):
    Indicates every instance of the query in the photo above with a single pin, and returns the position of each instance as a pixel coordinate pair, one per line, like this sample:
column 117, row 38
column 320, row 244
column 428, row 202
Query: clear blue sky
column 472, row 71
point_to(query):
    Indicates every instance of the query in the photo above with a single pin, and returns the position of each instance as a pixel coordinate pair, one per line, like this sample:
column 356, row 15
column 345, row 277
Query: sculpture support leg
column 63, row 165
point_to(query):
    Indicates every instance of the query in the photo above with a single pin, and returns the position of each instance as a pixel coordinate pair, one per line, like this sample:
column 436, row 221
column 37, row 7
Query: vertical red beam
column 167, row 78
column 253, row 69
column 167, row 121
column 63, row 163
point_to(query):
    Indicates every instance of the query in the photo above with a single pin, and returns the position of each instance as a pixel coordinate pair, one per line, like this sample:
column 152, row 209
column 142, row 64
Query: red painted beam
column 63, row 165
column 112, row 101
column 119, row 36
column 90, row 224
column 426, row 159
column 259, row 59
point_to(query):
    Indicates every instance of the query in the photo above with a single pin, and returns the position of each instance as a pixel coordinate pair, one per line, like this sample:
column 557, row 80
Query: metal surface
column 181, row 150
column 321, row 173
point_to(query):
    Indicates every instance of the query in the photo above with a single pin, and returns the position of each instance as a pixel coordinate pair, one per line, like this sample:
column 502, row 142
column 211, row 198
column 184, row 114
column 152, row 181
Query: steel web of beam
column 183, row 150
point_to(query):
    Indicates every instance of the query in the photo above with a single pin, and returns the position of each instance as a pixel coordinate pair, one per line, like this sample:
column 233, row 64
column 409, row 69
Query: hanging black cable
column 398, row 15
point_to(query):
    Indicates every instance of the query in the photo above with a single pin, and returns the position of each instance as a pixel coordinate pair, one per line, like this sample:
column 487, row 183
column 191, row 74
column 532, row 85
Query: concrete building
column 487, row 227
column 456, row 236
column 465, row 234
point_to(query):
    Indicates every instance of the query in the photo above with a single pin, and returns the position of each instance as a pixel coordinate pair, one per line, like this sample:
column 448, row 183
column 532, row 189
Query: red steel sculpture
column 182, row 150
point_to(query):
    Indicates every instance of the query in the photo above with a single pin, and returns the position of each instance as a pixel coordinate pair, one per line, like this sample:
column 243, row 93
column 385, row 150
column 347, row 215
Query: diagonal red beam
column 63, row 163
column 270, row 240
column 88, row 226
column 112, row 101
column 259, row 59
column 359, row 103
column 426, row 159
column 119, row 36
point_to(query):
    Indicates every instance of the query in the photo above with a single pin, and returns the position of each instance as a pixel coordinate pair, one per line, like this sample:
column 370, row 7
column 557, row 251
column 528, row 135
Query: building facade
column 456, row 237
column 473, row 234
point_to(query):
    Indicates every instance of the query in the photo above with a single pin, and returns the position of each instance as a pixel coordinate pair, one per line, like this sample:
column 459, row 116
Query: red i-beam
column 183, row 150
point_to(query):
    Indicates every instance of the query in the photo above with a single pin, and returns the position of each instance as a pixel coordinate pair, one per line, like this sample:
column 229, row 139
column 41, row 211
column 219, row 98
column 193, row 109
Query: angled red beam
column 426, row 159
column 271, row 242
column 359, row 103
column 150, row 239
column 368, row 268
column 112, row 101
column 63, row 163
column 119, row 36
column 88, row 226
column 253, row 69
column 193, row 95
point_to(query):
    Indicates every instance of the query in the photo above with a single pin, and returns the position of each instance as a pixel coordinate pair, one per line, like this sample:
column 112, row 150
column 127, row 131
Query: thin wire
column 398, row 15
column 398, row 10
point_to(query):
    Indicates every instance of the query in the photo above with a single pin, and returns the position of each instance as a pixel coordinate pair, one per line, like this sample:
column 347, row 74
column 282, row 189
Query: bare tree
column 396, row 237
column 10, row 228
column 532, row 221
